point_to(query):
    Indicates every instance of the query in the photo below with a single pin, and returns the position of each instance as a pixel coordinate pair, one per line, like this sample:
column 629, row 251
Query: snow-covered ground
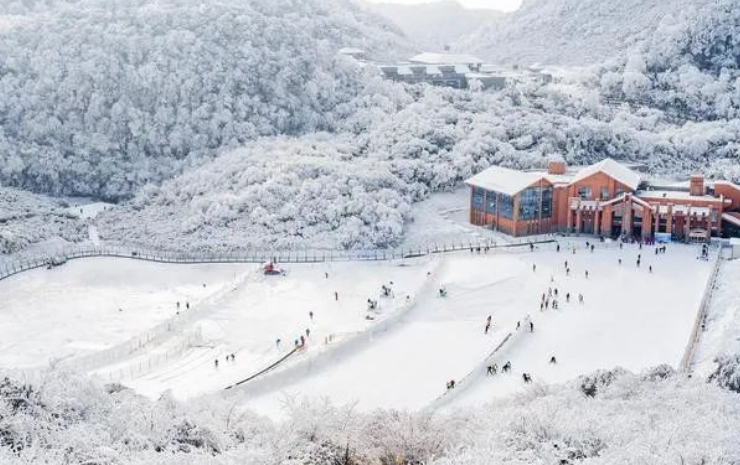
column 631, row 318
column 92, row 304
column 722, row 325
column 444, row 218
column 249, row 322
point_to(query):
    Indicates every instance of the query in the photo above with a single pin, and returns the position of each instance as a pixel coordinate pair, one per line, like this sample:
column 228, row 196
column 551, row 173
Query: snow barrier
column 701, row 315
column 342, row 348
column 480, row 369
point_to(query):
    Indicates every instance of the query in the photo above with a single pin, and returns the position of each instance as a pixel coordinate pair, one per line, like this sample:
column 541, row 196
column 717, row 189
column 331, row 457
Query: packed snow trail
column 630, row 318
column 441, row 338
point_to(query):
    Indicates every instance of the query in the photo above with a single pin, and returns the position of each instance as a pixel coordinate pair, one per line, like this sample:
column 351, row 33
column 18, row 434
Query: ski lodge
column 607, row 199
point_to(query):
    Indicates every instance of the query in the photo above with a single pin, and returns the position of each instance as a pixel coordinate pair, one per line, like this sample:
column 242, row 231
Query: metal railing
column 10, row 266
column 701, row 315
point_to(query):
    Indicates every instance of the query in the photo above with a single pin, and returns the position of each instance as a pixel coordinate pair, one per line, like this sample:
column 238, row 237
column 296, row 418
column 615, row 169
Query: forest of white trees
column 658, row 417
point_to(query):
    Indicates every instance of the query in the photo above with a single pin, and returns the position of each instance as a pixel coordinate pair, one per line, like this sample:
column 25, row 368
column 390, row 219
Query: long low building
column 606, row 199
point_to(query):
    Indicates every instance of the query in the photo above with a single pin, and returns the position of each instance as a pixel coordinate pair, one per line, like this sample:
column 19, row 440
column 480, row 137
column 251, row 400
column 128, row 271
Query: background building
column 606, row 199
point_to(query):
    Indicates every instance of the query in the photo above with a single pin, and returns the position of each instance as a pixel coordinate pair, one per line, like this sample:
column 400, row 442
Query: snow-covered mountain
column 117, row 94
column 436, row 24
column 571, row 32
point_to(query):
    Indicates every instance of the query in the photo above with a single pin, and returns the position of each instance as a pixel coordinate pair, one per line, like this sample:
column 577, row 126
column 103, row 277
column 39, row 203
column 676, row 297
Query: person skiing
column 586, row 274
column 567, row 272
column 488, row 326
column 519, row 324
column 215, row 363
column 489, row 370
column 308, row 332
column 526, row 378
column 336, row 296
column 556, row 292
column 580, row 298
column 620, row 261
column 277, row 343
column 310, row 315
column 651, row 268
column 495, row 368
column 507, row 367
column 567, row 297
column 592, row 248
column 552, row 360
column 534, row 268
column 303, row 340
column 187, row 305
column 557, row 248
column 326, row 275
column 178, row 305
column 531, row 327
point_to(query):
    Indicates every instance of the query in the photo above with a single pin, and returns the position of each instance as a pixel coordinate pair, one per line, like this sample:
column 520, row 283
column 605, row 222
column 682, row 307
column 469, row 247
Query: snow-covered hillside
column 436, row 24
column 571, row 32
column 115, row 95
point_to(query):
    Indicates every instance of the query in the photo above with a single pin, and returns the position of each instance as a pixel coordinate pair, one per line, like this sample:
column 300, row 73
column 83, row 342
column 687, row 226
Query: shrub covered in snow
column 61, row 418
column 727, row 374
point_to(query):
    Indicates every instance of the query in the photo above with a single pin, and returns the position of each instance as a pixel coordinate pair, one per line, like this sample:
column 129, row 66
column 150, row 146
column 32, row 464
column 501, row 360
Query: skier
column 507, row 367
column 308, row 332
column 586, row 274
column 489, row 370
column 215, row 363
column 580, row 298
column 336, row 296
column 178, row 305
column 552, row 360
column 310, row 315
column 556, row 292
column 592, row 248
column 526, row 378
column 566, row 265
column 534, row 268
column 567, row 297
column 621, row 244
column 638, row 263
column 326, row 275
column 187, row 305
column 303, row 340
column 277, row 343
column 620, row 261
column 567, row 272
column 488, row 326
column 531, row 327
column 518, row 325
column 651, row 268
column 557, row 249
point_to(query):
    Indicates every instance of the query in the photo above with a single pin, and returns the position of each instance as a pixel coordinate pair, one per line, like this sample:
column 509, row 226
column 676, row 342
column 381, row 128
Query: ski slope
column 249, row 321
column 92, row 304
column 630, row 318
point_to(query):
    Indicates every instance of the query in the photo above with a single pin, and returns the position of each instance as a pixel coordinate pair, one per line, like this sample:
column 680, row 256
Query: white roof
column 680, row 195
column 612, row 169
column 445, row 58
column 504, row 180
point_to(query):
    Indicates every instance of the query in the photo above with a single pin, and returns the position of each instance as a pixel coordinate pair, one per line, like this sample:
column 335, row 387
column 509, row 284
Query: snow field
column 631, row 318
column 250, row 320
column 73, row 310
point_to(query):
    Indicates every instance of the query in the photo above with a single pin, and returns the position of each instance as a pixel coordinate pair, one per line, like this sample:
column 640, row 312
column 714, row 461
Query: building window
column 491, row 203
column 478, row 195
column 620, row 191
column 529, row 201
column 547, row 202
column 506, row 206
column 604, row 193
column 584, row 192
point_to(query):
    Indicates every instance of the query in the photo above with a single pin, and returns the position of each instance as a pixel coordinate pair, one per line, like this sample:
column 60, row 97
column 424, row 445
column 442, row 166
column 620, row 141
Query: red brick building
column 606, row 199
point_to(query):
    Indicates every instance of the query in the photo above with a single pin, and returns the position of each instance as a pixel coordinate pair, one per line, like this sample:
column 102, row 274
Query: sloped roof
column 445, row 58
column 614, row 170
column 504, row 180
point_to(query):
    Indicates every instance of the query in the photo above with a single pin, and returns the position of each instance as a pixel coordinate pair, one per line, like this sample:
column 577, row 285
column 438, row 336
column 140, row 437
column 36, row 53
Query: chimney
column 696, row 185
column 556, row 167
